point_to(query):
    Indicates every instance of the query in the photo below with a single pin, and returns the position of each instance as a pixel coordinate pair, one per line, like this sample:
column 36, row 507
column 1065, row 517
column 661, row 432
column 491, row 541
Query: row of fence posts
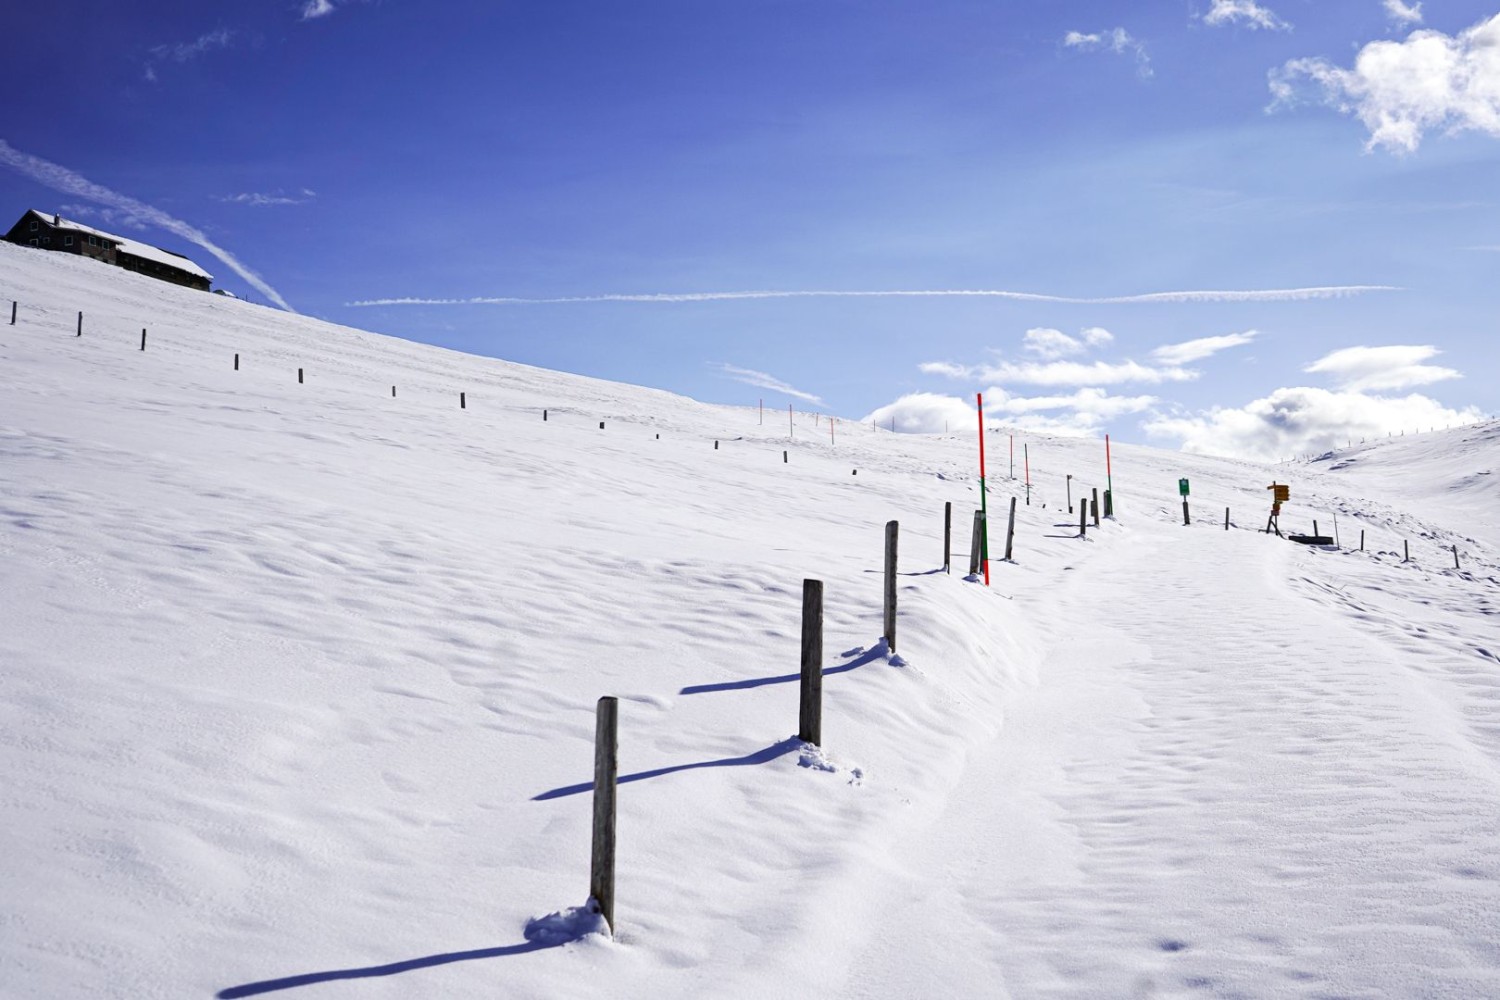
column 1405, row 543
column 809, row 703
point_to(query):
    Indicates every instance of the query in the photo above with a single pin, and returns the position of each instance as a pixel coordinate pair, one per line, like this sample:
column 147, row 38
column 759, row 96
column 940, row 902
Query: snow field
column 298, row 681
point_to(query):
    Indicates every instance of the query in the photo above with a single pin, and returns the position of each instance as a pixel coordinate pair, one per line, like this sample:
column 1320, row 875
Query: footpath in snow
column 297, row 682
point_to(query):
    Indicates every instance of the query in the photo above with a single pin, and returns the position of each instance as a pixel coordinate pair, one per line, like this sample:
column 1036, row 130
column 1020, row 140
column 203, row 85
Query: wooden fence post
column 783, row 457
column 606, row 771
column 974, row 542
column 299, row 376
column 810, row 715
column 544, row 413
column 1361, row 539
column 143, row 338
column 601, row 425
column 1010, row 529
column 393, row 392
column 236, row 362
column 1455, row 556
column 891, row 530
column 1096, row 506
column 1226, row 518
column 13, row 305
column 80, row 326
column 463, row 402
column 1083, row 516
column 1406, row 549
column 1315, row 529
column 947, row 536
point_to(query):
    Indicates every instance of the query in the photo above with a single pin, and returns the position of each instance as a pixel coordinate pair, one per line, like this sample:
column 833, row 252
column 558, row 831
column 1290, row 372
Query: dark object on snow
column 1310, row 539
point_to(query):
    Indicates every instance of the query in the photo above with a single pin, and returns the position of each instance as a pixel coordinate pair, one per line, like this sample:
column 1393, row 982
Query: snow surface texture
column 297, row 686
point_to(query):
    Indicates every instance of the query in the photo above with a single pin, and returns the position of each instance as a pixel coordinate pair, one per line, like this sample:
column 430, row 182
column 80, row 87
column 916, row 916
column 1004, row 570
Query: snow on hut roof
column 135, row 248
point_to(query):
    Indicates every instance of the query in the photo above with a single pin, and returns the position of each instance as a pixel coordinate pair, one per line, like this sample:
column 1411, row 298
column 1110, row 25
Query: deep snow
column 297, row 687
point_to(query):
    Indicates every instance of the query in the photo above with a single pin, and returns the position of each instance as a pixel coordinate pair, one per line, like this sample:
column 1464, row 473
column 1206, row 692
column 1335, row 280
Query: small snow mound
column 816, row 758
column 896, row 661
column 573, row 924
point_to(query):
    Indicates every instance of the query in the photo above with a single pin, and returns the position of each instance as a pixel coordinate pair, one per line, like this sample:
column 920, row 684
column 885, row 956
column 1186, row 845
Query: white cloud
column 1246, row 12
column 1401, row 90
column 60, row 178
column 1402, row 14
column 1196, row 350
column 762, row 380
column 1116, row 40
column 1082, row 413
column 1398, row 366
column 316, row 8
column 1094, row 402
column 926, row 413
column 1231, row 295
column 1291, row 421
column 1051, row 344
column 257, row 199
column 1057, row 373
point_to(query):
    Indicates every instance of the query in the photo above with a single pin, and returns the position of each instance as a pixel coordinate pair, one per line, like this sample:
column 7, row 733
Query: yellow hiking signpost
column 1280, row 494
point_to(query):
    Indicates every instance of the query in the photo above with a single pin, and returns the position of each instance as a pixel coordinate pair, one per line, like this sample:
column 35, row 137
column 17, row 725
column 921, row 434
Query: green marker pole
column 984, row 539
column 1109, row 476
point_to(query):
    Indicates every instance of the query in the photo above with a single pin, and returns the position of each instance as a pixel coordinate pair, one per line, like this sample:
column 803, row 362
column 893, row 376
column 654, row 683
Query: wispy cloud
column 763, row 380
column 1231, row 295
column 316, row 8
column 1403, row 14
column 1052, row 344
column 1058, row 373
column 60, row 178
column 182, row 52
column 1401, row 90
column 1397, row 366
column 1196, row 350
column 1246, row 12
column 1116, row 40
column 260, row 200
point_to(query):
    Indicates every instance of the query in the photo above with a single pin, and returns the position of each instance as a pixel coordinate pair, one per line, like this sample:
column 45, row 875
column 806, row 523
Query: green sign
column 1182, row 487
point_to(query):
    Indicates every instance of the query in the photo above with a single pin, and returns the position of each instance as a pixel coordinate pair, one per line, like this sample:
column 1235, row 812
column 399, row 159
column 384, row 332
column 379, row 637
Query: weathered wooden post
column 236, row 362
column 606, row 771
column 891, row 529
column 1315, row 529
column 13, row 305
column 544, row 412
column 810, row 716
column 1406, row 550
column 80, row 326
column 299, row 376
column 716, row 446
column 1226, row 518
column 974, row 542
column 1070, row 493
column 783, row 457
column 1455, row 556
column 601, row 425
column 1010, row 529
column 1083, row 517
column 143, row 338
column 463, row 403
column 1361, row 535
column 1096, row 506
column 947, row 536
column 393, row 392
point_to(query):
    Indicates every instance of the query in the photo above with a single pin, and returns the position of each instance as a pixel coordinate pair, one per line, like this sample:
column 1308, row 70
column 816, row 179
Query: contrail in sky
column 1243, row 295
column 60, row 178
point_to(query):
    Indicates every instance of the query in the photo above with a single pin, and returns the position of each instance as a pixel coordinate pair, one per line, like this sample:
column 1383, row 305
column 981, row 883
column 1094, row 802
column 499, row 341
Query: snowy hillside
column 297, row 683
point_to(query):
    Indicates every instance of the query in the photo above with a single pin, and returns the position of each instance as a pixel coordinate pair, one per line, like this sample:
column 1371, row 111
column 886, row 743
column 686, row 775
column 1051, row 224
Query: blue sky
column 635, row 160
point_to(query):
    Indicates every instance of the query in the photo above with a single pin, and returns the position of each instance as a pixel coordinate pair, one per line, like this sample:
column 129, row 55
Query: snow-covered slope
column 297, row 685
